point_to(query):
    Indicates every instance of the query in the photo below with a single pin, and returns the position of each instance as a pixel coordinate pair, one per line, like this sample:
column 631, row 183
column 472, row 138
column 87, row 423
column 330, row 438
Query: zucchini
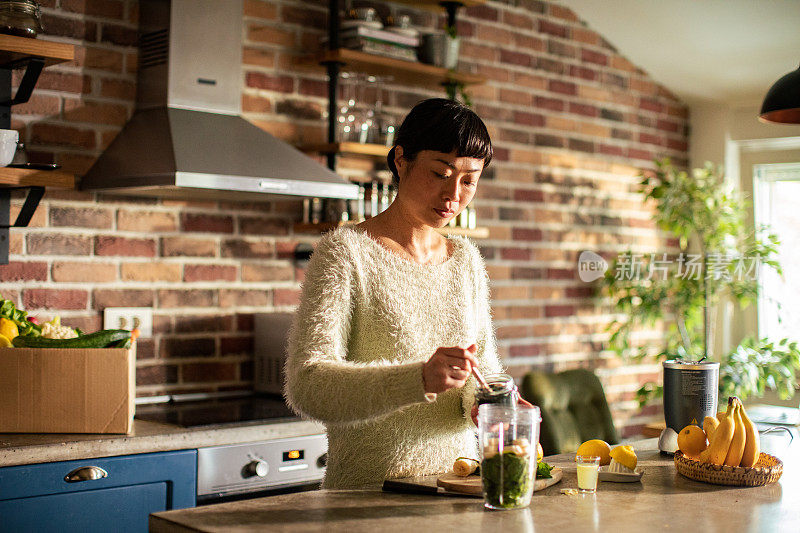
column 100, row 339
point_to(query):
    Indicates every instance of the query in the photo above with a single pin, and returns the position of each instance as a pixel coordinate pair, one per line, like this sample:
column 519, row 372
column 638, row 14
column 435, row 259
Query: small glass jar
column 502, row 391
column 22, row 18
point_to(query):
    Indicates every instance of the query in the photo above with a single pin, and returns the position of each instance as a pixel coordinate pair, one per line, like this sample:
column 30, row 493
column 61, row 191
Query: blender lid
column 681, row 364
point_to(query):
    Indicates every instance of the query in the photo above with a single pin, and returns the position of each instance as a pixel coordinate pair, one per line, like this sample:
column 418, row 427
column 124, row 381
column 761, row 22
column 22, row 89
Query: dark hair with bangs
column 441, row 125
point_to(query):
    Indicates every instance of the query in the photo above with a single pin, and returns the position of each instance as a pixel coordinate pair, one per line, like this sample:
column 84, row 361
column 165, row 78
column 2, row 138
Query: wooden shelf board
column 20, row 177
column 407, row 71
column 476, row 233
column 14, row 49
column 348, row 148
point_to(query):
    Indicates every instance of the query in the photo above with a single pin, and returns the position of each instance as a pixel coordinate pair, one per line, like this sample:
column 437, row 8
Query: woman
column 393, row 316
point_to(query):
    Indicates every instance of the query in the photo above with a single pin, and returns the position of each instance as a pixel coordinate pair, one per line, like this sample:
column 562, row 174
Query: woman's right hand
column 448, row 368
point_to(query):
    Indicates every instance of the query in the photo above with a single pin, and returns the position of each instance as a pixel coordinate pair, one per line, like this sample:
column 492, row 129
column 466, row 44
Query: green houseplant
column 719, row 257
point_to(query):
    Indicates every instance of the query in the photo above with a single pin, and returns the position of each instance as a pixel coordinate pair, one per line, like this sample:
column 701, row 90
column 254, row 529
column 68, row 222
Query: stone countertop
column 664, row 500
column 147, row 437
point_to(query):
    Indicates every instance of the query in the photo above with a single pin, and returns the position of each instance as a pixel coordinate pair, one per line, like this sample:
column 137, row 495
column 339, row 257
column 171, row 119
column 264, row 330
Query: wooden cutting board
column 472, row 484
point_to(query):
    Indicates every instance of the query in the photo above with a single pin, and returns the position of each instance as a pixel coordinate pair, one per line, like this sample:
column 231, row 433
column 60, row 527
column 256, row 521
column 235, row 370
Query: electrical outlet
column 129, row 318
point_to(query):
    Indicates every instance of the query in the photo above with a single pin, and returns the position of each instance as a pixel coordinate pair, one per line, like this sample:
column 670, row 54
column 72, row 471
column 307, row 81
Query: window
column 777, row 203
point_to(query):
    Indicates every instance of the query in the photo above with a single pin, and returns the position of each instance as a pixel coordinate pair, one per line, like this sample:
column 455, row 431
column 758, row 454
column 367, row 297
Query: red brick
column 94, row 112
column 68, row 271
column 517, row 20
column 272, row 35
column 583, row 73
column 526, row 195
column 102, row 298
column 316, row 88
column 259, row 80
column 247, row 249
column 661, row 124
column 551, row 104
column 206, row 223
column 551, row 28
column 592, row 56
column 155, row 374
column 99, row 59
column 58, row 244
column 57, row 135
column 283, row 297
column 256, row 104
column 151, row 271
column 99, row 8
column 648, row 138
column 583, row 109
column 261, row 272
column 562, row 12
column 188, row 247
column 187, row 347
column 635, row 153
column 110, row 245
column 515, row 58
column 75, row 28
column 679, row 145
column 260, row 9
column 39, row 218
column 203, row 323
column 562, row 87
column 258, row 57
column 81, row 217
column 558, row 48
column 559, row 310
column 526, row 234
column 209, row 273
column 149, row 221
column 525, row 350
column 54, row 299
column 121, row 89
column 515, row 254
column 651, row 105
column 119, row 35
column 244, row 298
column 39, row 105
column 236, row 345
column 306, row 16
column 29, row 271
column 611, row 150
column 168, row 298
column 199, row 372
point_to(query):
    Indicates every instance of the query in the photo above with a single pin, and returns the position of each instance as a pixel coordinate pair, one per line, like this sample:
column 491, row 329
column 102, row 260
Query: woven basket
column 768, row 469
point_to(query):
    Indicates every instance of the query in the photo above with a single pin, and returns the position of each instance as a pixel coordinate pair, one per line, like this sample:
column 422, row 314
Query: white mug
column 8, row 146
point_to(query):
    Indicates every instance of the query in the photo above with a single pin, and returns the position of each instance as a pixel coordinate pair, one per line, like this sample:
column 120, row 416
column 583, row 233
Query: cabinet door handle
column 85, row 473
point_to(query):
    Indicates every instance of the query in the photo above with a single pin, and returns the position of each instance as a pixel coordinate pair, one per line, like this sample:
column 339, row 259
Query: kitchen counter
column 147, row 437
column 664, row 500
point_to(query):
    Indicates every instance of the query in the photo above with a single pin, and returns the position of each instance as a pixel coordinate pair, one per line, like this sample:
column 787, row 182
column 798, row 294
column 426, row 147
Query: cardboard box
column 67, row 390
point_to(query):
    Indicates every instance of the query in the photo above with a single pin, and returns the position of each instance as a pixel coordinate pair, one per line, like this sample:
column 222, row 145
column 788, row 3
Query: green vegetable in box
column 24, row 326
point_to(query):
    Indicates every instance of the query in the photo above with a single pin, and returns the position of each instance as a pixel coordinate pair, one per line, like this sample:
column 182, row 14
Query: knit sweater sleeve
column 320, row 382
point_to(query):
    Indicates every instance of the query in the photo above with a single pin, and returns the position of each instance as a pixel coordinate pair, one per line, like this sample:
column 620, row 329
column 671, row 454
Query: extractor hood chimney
column 186, row 138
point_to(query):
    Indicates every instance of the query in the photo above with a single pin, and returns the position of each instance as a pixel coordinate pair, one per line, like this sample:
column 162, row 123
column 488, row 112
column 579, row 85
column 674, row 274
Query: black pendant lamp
column 782, row 103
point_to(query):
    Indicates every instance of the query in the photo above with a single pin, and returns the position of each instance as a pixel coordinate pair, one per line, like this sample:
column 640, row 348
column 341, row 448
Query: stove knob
column 257, row 468
column 322, row 462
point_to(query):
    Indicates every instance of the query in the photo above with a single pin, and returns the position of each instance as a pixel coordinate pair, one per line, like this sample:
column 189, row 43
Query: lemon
column 597, row 448
column 625, row 456
column 4, row 342
column 8, row 328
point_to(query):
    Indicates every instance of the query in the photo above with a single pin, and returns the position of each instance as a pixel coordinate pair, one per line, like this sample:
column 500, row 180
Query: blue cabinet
column 106, row 494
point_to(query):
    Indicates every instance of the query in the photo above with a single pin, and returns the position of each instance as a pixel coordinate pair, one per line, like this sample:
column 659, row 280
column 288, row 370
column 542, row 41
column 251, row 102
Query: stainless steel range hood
column 187, row 138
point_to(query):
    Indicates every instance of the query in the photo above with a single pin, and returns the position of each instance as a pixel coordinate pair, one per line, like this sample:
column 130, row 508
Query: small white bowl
column 8, row 146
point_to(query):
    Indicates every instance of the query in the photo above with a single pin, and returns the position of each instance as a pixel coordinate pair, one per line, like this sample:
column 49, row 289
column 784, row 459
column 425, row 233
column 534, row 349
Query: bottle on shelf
column 384, row 197
column 373, row 199
column 316, row 210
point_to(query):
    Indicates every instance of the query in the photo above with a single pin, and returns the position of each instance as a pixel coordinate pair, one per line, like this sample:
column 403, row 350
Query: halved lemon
column 4, row 342
column 8, row 328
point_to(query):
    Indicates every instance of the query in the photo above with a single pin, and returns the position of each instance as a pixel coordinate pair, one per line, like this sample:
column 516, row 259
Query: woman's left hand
column 474, row 411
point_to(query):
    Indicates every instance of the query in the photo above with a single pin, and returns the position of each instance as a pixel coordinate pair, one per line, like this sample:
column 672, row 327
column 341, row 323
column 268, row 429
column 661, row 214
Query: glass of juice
column 508, row 439
column 588, row 466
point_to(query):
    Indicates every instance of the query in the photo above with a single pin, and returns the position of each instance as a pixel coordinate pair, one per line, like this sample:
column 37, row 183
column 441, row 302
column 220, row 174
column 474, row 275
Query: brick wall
column 572, row 121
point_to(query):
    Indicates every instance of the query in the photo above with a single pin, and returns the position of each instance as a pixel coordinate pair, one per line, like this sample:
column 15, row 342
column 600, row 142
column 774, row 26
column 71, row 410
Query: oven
column 242, row 470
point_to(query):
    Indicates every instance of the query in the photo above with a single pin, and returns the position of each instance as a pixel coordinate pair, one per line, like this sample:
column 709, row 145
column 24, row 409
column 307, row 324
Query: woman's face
column 436, row 186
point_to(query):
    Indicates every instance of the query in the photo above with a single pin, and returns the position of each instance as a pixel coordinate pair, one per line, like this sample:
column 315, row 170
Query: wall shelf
column 475, row 233
column 437, row 4
column 33, row 55
column 377, row 151
column 15, row 51
column 20, row 177
column 410, row 72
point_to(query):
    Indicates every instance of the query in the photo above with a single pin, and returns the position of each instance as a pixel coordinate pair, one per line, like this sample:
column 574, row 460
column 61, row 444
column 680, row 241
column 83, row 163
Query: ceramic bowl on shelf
column 8, row 146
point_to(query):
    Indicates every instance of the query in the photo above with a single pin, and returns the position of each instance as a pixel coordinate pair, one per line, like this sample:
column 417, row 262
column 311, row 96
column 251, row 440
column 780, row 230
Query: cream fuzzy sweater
column 367, row 321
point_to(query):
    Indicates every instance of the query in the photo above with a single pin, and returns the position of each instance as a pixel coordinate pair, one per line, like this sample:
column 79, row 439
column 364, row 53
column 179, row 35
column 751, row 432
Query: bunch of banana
column 733, row 439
